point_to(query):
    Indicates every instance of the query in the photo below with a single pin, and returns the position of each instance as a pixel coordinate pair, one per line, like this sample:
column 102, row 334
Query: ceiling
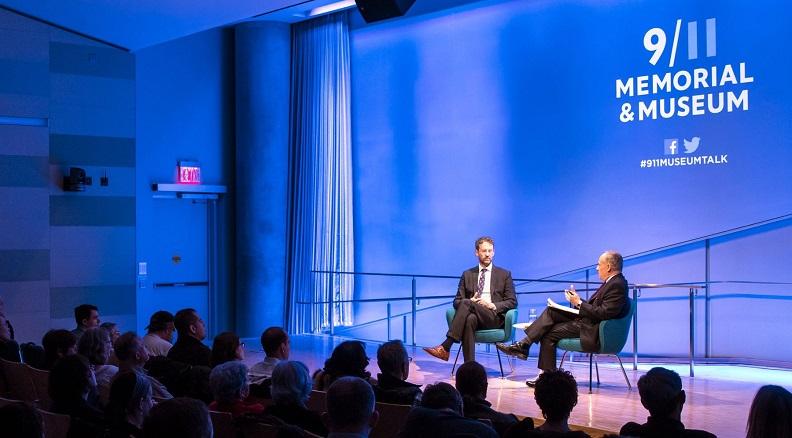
column 136, row 24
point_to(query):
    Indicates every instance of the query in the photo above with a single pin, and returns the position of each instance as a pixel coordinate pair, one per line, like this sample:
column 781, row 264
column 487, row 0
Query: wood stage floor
column 718, row 398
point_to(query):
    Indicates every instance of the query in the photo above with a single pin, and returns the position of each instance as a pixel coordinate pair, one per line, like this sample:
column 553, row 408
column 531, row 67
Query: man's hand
column 573, row 297
column 481, row 302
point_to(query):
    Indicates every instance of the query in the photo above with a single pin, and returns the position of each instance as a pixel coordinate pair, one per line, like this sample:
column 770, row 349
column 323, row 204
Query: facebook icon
column 671, row 146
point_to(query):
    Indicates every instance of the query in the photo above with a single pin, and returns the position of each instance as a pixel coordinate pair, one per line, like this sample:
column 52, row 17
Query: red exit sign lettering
column 189, row 172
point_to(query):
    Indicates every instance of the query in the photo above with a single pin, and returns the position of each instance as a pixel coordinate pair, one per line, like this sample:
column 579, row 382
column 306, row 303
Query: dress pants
column 470, row 317
column 551, row 326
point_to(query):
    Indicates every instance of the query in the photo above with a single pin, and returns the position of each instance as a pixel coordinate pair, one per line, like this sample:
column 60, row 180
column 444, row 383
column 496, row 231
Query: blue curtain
column 321, row 174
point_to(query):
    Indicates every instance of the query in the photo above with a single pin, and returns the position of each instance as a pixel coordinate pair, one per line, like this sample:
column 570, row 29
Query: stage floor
column 718, row 398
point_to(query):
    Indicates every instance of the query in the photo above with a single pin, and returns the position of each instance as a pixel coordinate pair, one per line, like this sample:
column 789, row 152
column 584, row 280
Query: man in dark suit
column 608, row 302
column 484, row 295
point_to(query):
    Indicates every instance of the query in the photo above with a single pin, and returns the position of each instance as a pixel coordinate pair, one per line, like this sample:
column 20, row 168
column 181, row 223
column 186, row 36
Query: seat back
column 223, row 424
column 613, row 332
column 55, row 425
column 20, row 387
column 317, row 401
column 491, row 335
column 391, row 419
column 252, row 429
column 40, row 379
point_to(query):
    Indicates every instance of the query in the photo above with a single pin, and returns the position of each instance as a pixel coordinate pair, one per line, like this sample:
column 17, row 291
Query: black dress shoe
column 518, row 350
column 532, row 381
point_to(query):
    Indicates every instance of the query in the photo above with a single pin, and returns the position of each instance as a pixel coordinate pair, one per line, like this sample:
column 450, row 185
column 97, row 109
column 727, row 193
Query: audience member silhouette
column 662, row 395
column 9, row 348
column 70, row 382
column 555, row 394
column 471, row 382
column 229, row 385
column 291, row 387
column 180, row 417
column 21, row 420
column 188, row 347
column 57, row 344
column 441, row 415
column 226, row 347
column 159, row 336
column 86, row 316
column 94, row 345
column 348, row 359
column 276, row 345
column 392, row 385
column 350, row 408
column 771, row 413
column 132, row 356
column 129, row 404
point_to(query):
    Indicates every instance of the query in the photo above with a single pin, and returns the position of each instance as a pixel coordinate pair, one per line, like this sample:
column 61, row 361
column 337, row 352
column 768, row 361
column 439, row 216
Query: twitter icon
column 691, row 145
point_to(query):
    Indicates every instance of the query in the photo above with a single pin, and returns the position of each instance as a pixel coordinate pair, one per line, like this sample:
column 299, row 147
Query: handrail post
column 635, row 328
column 707, row 314
column 692, row 327
column 331, row 311
column 389, row 318
column 404, row 327
column 414, row 310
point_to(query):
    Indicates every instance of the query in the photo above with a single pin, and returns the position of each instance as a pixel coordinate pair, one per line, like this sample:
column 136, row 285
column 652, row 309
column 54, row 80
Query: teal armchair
column 612, row 337
column 489, row 336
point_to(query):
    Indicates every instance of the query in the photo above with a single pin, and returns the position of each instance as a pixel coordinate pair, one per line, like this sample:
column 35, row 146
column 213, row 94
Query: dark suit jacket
column 662, row 428
column 501, row 288
column 609, row 302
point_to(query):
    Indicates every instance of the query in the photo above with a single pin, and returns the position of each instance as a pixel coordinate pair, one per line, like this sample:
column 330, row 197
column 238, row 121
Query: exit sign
column 189, row 172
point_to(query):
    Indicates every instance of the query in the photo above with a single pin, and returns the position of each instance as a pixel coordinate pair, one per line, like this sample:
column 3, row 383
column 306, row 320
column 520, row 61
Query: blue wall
column 60, row 249
column 502, row 118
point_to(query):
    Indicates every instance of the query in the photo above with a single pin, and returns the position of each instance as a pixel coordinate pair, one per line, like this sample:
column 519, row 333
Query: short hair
column 614, row 260
column 483, row 239
column 229, row 382
column 126, row 391
column 126, row 346
column 93, row 344
column 350, row 402
column 184, row 318
column 348, row 359
column 159, row 321
column 442, row 395
column 21, row 420
column 391, row 356
column 56, row 343
column 83, row 311
column 291, row 383
column 471, row 379
column 109, row 326
column 659, row 389
column 183, row 417
column 224, row 348
column 556, row 394
column 69, row 379
column 272, row 338
column 771, row 413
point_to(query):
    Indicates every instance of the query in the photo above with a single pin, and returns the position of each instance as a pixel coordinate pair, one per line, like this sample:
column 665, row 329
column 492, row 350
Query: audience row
column 121, row 385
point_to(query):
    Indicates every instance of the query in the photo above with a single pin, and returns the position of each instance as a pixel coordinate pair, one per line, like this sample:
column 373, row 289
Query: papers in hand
column 553, row 304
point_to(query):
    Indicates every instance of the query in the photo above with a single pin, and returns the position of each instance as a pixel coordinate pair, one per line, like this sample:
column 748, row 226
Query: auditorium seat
column 223, row 424
column 391, row 419
column 489, row 336
column 317, row 401
column 20, row 386
column 40, row 379
column 55, row 425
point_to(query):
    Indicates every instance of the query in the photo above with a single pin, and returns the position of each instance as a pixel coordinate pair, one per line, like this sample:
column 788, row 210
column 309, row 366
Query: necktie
column 481, row 283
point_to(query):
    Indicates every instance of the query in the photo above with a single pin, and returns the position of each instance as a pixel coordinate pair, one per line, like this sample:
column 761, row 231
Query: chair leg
column 455, row 361
column 596, row 367
column 591, row 358
column 563, row 356
column 503, row 376
column 629, row 386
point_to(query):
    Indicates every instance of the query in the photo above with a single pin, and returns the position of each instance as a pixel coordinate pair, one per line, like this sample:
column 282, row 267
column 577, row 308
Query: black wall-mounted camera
column 76, row 180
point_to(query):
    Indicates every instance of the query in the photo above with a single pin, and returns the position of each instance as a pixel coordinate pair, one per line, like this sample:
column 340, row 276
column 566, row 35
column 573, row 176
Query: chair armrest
column 450, row 316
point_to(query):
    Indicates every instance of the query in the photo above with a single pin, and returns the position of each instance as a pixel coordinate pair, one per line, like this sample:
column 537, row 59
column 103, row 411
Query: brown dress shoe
column 438, row 352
